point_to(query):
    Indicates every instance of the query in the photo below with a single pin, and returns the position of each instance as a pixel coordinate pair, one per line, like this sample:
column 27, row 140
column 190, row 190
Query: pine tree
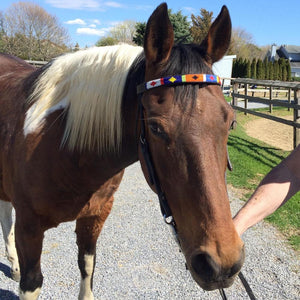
column 253, row 69
column 248, row 69
column 140, row 29
column 289, row 71
column 240, row 67
column 266, row 68
column 76, row 47
column 276, row 70
column 259, row 69
column 271, row 70
column 181, row 26
column 234, row 68
column 201, row 25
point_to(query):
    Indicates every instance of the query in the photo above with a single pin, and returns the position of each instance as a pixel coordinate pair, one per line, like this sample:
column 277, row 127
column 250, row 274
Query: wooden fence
column 241, row 90
column 36, row 63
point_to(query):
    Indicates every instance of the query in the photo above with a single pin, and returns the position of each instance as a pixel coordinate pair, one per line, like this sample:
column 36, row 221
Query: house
column 290, row 52
column 223, row 68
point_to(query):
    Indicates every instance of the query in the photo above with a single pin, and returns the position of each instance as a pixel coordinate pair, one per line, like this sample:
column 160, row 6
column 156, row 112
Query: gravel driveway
column 138, row 259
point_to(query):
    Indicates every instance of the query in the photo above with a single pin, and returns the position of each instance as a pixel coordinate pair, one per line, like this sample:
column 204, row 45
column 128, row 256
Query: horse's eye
column 156, row 129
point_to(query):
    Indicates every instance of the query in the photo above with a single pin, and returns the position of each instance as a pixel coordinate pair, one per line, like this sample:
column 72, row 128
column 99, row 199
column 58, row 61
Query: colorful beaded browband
column 178, row 79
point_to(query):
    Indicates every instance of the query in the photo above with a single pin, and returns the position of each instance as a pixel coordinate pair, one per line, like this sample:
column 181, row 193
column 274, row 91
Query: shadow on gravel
column 4, row 294
column 5, row 270
column 7, row 295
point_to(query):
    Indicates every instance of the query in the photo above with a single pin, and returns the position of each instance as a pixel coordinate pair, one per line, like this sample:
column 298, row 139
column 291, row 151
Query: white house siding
column 223, row 68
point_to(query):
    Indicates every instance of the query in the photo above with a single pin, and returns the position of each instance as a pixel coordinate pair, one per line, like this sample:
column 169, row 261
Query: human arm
column 274, row 190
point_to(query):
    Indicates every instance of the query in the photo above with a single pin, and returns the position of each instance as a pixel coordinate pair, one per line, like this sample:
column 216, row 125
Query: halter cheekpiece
column 177, row 80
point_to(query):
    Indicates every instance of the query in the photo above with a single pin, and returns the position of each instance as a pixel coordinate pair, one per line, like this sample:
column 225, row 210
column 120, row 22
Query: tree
column 289, row 71
column 76, row 47
column 32, row 33
column 2, row 33
column 248, row 69
column 259, row 70
column 180, row 24
column 201, row 25
column 271, row 70
column 140, row 29
column 282, row 69
column 276, row 70
column 253, row 69
column 243, row 46
column 123, row 32
column 106, row 41
column 266, row 68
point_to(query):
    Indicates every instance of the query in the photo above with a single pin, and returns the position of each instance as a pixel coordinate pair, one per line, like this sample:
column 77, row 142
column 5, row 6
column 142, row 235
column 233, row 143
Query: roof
column 291, row 48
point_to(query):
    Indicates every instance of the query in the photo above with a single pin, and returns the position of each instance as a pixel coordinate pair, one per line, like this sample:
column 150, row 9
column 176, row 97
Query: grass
column 252, row 160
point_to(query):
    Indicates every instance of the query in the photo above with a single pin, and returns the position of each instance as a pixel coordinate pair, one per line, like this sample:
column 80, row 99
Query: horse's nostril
column 205, row 266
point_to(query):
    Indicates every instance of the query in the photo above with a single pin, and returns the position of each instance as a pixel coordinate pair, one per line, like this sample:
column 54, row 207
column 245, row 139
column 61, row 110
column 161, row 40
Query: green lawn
column 252, row 160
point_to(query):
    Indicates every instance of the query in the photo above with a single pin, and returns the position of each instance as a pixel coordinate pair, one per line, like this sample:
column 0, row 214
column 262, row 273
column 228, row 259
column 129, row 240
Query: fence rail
column 242, row 85
column 36, row 63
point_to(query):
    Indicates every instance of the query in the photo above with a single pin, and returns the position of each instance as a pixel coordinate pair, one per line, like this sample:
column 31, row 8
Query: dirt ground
column 273, row 133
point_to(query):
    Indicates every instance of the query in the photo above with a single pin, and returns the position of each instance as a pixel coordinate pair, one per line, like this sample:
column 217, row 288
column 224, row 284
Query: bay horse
column 69, row 129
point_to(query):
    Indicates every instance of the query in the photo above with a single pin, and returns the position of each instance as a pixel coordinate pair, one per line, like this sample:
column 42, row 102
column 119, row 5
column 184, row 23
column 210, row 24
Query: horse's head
column 187, row 127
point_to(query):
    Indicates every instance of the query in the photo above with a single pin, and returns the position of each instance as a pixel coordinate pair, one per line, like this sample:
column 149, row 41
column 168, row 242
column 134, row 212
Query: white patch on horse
column 8, row 230
column 85, row 285
column 29, row 295
column 32, row 123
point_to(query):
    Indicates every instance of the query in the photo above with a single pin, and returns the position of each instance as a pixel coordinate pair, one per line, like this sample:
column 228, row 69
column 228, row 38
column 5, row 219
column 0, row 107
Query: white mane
column 88, row 85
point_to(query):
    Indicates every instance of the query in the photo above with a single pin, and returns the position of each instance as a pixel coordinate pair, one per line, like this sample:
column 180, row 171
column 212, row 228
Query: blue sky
column 268, row 21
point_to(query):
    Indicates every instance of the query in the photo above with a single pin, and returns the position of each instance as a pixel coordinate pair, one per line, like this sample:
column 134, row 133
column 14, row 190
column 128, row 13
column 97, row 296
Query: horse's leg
column 8, row 230
column 88, row 229
column 29, row 239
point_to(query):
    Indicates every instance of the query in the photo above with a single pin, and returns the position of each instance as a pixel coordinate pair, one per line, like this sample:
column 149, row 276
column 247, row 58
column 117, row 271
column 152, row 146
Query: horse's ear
column 217, row 40
column 159, row 37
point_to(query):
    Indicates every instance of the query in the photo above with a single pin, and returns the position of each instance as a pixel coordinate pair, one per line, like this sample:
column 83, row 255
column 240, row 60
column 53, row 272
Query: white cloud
column 93, row 26
column 75, row 4
column 190, row 9
column 84, row 4
column 91, row 31
column 76, row 22
column 113, row 4
column 96, row 21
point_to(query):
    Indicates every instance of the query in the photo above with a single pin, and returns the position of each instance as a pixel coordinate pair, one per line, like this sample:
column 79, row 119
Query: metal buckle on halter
column 169, row 220
column 142, row 140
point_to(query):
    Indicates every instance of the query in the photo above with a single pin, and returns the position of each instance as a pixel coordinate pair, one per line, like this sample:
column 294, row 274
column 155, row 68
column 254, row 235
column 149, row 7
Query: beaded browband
column 178, row 79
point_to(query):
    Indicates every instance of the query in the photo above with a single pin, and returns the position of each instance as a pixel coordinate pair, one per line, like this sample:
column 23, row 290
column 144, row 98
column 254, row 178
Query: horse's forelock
column 186, row 59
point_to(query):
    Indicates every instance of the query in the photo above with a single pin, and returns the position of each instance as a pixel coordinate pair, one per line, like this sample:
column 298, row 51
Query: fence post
column 296, row 117
column 270, row 98
column 289, row 98
column 246, row 99
column 235, row 100
column 235, row 91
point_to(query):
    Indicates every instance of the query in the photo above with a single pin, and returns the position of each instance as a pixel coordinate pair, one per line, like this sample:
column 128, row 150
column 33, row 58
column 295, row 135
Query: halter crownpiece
column 178, row 79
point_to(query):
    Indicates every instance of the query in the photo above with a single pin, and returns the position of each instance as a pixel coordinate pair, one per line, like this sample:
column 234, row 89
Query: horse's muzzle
column 210, row 275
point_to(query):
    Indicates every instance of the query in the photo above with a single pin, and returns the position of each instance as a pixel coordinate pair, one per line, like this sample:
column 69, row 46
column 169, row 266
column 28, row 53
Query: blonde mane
column 88, row 85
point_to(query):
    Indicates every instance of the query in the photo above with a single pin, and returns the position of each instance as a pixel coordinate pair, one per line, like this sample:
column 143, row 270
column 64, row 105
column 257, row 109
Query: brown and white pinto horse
column 68, row 130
